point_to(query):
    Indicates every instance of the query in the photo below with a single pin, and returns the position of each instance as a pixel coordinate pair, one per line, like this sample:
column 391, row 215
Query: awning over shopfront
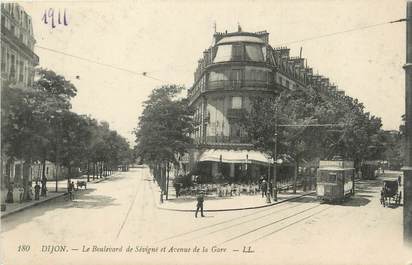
column 234, row 156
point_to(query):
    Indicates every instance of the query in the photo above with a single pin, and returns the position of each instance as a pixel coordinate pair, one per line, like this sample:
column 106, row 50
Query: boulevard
column 122, row 212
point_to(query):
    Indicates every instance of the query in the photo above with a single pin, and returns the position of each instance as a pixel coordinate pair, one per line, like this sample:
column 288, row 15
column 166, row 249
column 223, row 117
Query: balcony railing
column 236, row 84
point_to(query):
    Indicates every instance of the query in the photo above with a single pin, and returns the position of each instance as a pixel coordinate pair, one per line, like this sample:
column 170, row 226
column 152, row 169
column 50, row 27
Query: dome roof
column 231, row 39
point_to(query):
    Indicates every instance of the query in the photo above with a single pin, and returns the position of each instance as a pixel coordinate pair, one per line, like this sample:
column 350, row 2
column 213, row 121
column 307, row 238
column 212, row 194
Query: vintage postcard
column 206, row 132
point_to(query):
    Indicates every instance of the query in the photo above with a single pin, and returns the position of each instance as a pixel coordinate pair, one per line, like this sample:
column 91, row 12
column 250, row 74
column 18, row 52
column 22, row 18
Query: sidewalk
column 12, row 208
column 17, row 207
column 217, row 204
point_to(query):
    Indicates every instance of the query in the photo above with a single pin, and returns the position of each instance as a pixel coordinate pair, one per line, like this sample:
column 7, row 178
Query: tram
column 335, row 180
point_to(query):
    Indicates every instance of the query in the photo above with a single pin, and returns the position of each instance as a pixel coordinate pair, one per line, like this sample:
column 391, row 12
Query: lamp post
column 275, row 186
column 58, row 130
column 270, row 161
column 407, row 169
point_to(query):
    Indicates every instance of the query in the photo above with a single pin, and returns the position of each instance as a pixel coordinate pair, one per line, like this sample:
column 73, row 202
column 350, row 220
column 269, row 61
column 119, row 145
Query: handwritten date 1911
column 53, row 16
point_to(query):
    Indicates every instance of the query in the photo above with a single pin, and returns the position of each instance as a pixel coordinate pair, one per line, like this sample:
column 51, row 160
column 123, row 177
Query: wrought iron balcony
column 237, row 84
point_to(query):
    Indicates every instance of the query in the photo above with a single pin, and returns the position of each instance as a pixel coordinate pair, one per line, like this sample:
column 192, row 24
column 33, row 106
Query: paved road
column 121, row 212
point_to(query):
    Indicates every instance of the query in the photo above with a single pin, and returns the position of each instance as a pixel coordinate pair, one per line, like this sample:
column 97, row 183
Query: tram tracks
column 270, row 224
column 256, row 216
column 136, row 194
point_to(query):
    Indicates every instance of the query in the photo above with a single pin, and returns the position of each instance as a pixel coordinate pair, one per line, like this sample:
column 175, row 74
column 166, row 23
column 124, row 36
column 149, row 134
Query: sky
column 166, row 39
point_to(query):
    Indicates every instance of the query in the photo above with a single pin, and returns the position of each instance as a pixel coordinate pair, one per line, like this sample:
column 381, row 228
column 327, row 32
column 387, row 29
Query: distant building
column 17, row 42
column 236, row 67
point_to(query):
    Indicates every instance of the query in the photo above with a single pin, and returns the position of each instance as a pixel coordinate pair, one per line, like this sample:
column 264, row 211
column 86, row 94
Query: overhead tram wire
column 343, row 32
column 145, row 74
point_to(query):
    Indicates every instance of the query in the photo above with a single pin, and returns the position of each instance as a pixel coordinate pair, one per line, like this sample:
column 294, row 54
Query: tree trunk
column 88, row 171
column 295, row 176
column 69, row 176
column 26, row 186
column 43, row 178
column 167, row 180
column 9, row 197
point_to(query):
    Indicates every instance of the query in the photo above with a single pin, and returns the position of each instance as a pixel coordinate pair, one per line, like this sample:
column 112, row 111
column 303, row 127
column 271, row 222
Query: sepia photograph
column 171, row 132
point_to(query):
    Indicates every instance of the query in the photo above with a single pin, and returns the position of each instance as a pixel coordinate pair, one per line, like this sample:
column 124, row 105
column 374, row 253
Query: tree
column 164, row 128
column 356, row 135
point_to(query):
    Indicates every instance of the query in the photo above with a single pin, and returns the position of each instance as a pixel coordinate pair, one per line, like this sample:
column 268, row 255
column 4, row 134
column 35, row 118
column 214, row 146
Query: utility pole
column 407, row 169
column 275, row 186
column 268, row 181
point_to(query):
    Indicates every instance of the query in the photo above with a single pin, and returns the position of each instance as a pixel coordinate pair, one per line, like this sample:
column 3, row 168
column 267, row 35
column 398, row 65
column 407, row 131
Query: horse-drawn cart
column 390, row 190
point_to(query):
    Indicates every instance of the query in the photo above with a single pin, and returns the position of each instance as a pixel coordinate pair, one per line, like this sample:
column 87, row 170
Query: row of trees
column 304, row 124
column 312, row 125
column 38, row 125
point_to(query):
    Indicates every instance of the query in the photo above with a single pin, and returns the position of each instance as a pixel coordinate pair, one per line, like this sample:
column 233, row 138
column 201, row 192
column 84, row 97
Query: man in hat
column 200, row 200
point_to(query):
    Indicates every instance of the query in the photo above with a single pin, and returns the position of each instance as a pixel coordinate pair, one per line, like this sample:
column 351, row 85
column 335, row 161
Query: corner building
column 238, row 66
column 17, row 43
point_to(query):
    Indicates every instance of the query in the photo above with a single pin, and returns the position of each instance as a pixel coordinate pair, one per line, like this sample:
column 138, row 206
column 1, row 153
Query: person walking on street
column 71, row 190
column 21, row 193
column 400, row 181
column 37, row 191
column 177, row 188
column 270, row 188
column 264, row 188
column 44, row 186
column 200, row 200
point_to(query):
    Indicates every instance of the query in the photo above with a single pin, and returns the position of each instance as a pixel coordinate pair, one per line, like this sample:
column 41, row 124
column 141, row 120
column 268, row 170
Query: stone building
column 17, row 71
column 17, row 42
column 236, row 67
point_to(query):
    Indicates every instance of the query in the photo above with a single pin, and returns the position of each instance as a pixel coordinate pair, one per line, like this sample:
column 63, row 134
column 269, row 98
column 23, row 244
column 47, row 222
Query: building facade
column 17, row 43
column 238, row 66
column 18, row 61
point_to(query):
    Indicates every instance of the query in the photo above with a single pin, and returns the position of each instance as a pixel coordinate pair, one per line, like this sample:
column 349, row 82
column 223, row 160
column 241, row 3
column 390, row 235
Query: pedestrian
column 73, row 188
column 44, row 187
column 200, row 200
column 37, row 191
column 400, row 180
column 264, row 188
column 21, row 193
column 270, row 188
column 70, row 188
column 177, row 188
column 261, row 180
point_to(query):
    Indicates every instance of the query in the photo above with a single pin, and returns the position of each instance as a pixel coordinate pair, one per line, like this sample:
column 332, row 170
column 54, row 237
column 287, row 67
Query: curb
column 32, row 205
column 235, row 209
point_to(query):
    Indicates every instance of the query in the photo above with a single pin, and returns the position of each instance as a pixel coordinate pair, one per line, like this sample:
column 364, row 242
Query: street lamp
column 270, row 161
column 275, row 186
column 58, row 130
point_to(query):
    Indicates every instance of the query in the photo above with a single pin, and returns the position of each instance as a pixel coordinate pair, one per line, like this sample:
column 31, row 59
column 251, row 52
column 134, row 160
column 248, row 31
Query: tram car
column 369, row 169
column 335, row 180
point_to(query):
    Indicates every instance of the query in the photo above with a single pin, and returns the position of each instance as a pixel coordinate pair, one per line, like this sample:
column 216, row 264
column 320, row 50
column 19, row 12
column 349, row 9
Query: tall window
column 254, row 53
column 21, row 70
column 237, row 52
column 223, row 53
column 12, row 67
column 3, row 59
column 236, row 102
